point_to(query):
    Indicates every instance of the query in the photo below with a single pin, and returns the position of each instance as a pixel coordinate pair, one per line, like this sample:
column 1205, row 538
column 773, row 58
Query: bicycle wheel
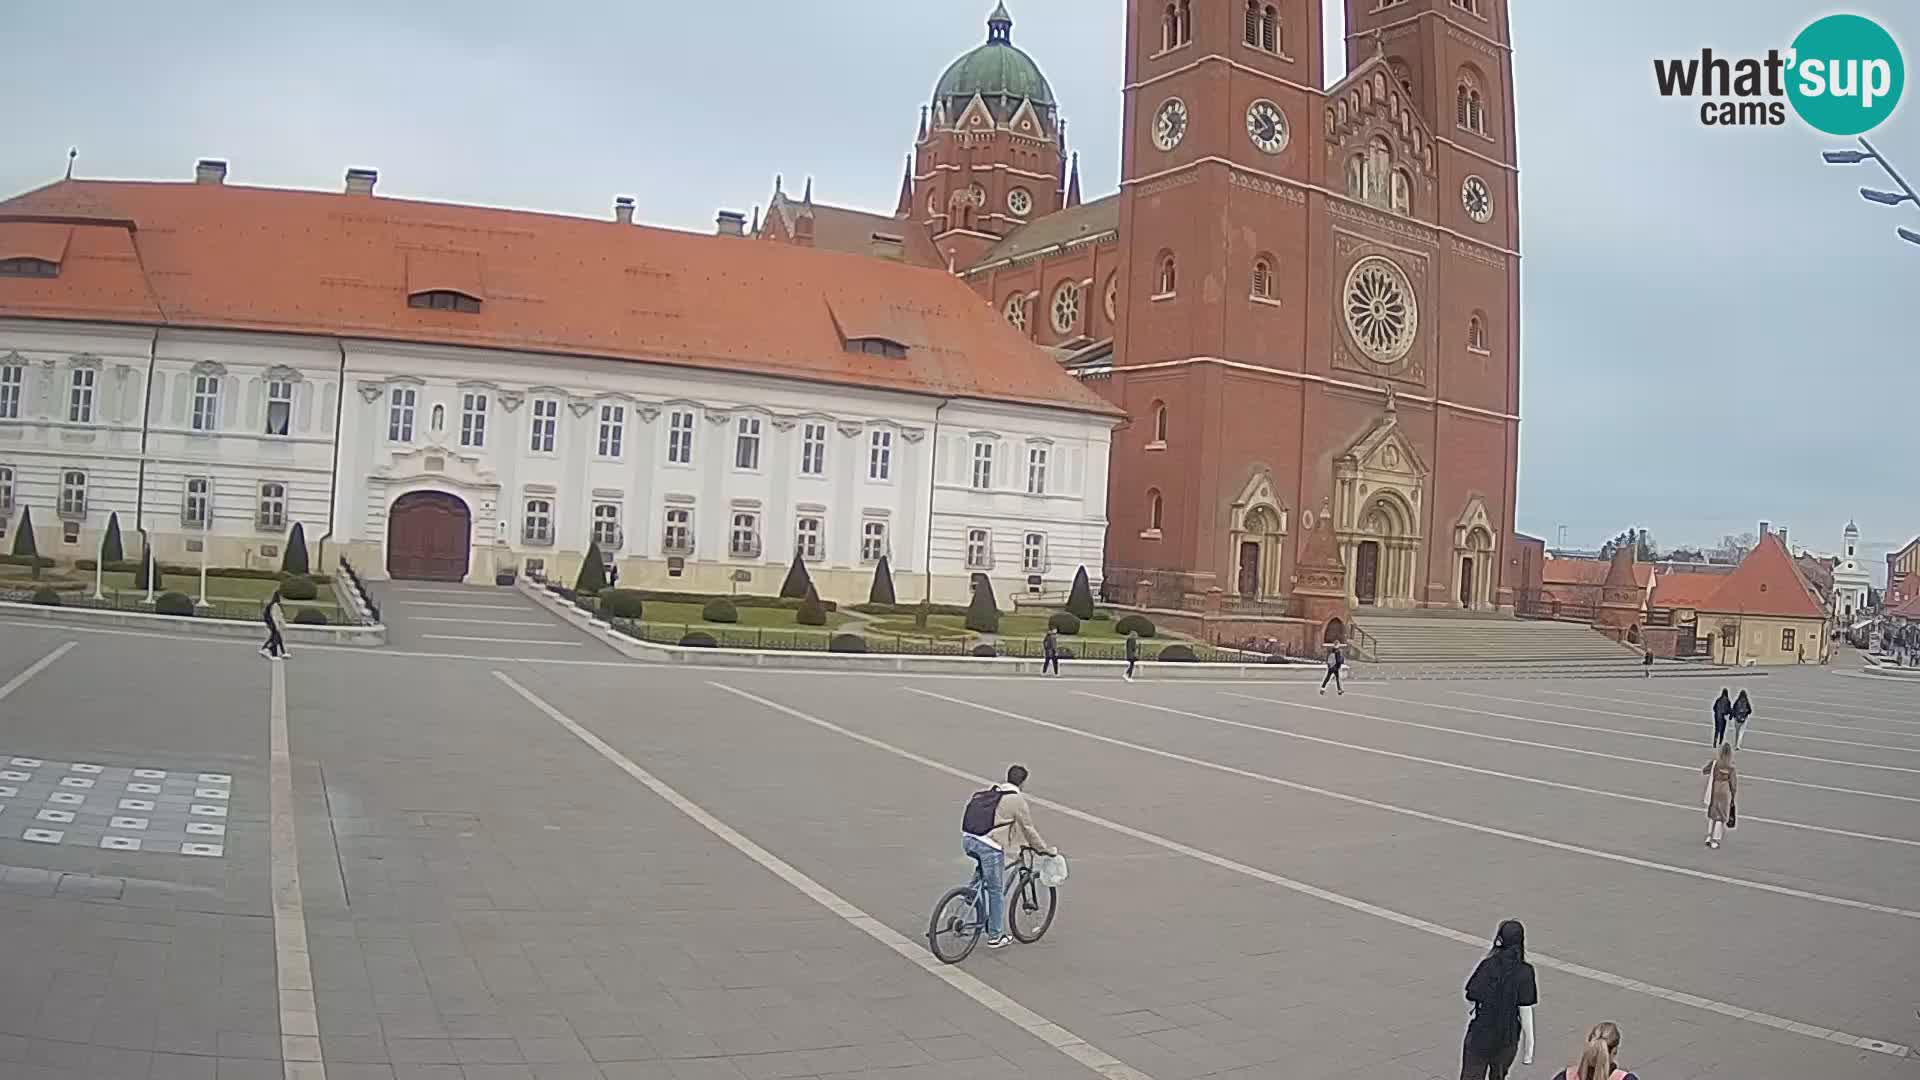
column 1030, row 908
column 956, row 925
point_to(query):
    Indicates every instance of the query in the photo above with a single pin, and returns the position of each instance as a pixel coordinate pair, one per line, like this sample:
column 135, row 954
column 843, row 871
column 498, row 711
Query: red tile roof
column 231, row 257
column 1686, row 589
column 1767, row 583
column 1588, row 572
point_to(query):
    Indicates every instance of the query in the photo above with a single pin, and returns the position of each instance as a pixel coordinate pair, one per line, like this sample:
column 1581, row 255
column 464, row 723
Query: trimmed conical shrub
column 295, row 561
column 1080, row 600
column 23, row 540
column 798, row 581
column 593, row 572
column 983, row 613
column 111, row 549
column 882, row 590
column 812, row 612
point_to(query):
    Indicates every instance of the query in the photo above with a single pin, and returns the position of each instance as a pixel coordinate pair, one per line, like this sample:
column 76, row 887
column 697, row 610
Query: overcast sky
column 1716, row 328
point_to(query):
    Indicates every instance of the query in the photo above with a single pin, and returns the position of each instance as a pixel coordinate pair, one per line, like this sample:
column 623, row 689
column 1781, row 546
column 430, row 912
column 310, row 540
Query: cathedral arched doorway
column 1474, row 574
column 1257, row 524
column 1385, row 553
column 429, row 537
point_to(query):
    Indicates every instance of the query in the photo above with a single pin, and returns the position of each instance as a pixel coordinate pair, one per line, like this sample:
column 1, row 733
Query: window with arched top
column 1471, row 7
column 1400, row 199
column 1470, row 104
column 1270, row 29
column 1016, row 311
column 1166, row 275
column 1155, row 506
column 1262, row 286
column 1477, row 332
column 1183, row 27
column 1160, row 423
column 1170, row 28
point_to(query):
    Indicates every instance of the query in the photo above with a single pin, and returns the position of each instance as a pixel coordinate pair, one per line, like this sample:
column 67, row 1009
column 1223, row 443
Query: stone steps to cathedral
column 1427, row 638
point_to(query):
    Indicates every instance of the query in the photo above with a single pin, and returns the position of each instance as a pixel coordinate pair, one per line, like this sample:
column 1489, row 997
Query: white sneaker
column 1000, row 942
column 264, row 654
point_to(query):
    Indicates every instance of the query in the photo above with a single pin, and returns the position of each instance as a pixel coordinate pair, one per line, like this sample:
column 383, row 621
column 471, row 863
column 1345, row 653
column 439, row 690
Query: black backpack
column 981, row 808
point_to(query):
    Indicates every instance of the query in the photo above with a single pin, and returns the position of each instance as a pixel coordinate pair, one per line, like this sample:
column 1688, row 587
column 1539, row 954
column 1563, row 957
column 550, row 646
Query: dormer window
column 877, row 346
column 445, row 300
column 29, row 267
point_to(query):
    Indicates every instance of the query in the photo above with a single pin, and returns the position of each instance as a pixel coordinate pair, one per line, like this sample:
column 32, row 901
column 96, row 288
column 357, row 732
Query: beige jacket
column 1013, row 823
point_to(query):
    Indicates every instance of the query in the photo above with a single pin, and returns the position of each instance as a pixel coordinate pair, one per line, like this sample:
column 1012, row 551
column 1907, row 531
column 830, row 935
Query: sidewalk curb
column 365, row 636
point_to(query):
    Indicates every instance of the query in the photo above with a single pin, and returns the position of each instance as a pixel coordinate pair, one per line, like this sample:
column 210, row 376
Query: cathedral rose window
column 1382, row 314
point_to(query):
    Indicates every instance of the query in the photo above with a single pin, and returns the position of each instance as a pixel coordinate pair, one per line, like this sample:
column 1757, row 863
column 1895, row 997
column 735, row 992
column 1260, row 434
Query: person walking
column 1334, row 663
column 1600, row 1058
column 1722, row 709
column 1723, row 787
column 1133, row 653
column 1503, row 992
column 275, row 615
column 1050, row 649
column 1646, row 662
column 1742, row 708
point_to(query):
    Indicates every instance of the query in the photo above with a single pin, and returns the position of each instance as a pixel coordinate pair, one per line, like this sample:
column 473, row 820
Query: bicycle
column 960, row 917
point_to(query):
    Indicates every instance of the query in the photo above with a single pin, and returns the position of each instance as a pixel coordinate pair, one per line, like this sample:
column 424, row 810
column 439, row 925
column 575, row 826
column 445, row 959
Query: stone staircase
column 1477, row 645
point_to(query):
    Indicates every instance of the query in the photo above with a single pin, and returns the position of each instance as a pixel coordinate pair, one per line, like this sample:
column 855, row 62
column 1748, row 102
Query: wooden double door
column 429, row 537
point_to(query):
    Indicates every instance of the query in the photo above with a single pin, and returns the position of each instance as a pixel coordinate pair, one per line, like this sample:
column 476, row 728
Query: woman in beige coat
column 1723, row 786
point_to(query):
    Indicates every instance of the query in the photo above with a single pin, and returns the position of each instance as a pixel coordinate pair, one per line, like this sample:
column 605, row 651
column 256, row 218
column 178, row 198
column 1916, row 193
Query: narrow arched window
column 1168, row 276
column 1262, row 278
column 1270, row 29
column 1154, row 507
column 1184, row 26
column 1160, row 422
column 1170, row 28
column 1477, row 333
column 1253, row 23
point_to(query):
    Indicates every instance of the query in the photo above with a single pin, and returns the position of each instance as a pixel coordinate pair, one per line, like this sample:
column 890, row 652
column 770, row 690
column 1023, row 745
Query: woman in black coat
column 1722, row 708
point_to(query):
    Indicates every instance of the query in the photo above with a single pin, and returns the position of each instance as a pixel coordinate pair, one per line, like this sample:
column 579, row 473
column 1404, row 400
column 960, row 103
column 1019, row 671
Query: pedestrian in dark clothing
column 1742, row 708
column 1050, row 649
column 613, row 575
column 1334, row 663
column 1503, row 992
column 1133, row 652
column 274, row 615
column 1646, row 663
column 1722, row 709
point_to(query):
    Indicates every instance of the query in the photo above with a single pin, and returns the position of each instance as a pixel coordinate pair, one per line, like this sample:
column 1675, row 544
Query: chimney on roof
column 890, row 246
column 623, row 209
column 1783, row 538
column 730, row 223
column 1766, row 527
column 210, row 171
column 361, row 181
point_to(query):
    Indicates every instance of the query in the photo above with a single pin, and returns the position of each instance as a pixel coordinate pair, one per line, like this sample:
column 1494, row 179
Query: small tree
column 111, row 550
column 593, row 572
column 295, row 561
column 812, row 612
column 798, row 582
column 1080, row 600
column 23, row 541
column 146, row 560
column 882, row 590
column 983, row 613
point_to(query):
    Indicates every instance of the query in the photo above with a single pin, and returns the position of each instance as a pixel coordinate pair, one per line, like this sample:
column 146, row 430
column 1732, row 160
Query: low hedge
column 132, row 566
column 1134, row 624
column 847, row 643
column 699, row 639
column 622, row 603
column 1102, row 615
column 1064, row 622
column 307, row 616
column 40, row 561
column 659, row 596
column 298, row 588
column 905, row 609
column 173, row 603
column 722, row 610
column 46, row 597
column 1177, row 654
column 985, row 650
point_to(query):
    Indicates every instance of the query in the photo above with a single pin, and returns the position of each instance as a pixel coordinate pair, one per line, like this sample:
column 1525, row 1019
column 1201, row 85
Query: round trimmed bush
column 985, row 650
column 307, row 616
column 298, row 588
column 847, row 643
column 46, row 597
column 1134, row 624
column 1064, row 622
column 1064, row 653
column 720, row 611
column 699, row 639
column 621, row 604
column 173, row 603
column 1178, row 654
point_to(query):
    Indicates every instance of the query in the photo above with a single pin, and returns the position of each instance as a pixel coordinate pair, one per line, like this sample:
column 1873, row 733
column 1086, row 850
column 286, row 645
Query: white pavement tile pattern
column 88, row 801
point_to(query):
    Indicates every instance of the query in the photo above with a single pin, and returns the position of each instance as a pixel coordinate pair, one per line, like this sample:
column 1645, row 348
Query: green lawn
column 661, row 613
column 952, row 627
column 220, row 590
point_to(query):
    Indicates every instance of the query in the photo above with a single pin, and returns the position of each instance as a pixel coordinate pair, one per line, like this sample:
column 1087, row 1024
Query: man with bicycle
column 998, row 820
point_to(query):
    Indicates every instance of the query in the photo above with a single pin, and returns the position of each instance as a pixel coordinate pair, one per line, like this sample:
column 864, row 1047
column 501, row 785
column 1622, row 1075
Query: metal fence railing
column 136, row 601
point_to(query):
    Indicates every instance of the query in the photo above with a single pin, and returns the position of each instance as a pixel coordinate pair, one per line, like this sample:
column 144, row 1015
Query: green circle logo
column 1847, row 75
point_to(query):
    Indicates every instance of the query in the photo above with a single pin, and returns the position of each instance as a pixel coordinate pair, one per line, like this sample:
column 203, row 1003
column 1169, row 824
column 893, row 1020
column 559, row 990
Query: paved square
column 602, row 869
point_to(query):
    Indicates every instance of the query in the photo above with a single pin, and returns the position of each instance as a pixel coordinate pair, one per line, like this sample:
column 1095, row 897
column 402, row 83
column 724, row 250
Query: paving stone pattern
column 163, row 811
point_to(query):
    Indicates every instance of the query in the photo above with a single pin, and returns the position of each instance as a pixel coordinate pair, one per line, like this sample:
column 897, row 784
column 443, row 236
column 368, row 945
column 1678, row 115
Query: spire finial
column 1073, row 183
column 776, row 185
column 807, row 197
column 72, row 153
column 1000, row 25
column 923, row 123
column 904, row 207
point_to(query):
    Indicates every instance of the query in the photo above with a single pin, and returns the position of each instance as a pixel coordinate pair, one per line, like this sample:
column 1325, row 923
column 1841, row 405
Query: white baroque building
column 444, row 392
column 1852, row 583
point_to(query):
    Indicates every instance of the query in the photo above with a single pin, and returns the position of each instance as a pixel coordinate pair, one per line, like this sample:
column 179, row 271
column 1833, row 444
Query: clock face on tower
column 1267, row 127
column 1477, row 198
column 1170, row 124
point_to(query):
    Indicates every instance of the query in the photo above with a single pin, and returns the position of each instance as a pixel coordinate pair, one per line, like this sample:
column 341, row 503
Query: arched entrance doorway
column 1384, row 553
column 1474, row 588
column 429, row 537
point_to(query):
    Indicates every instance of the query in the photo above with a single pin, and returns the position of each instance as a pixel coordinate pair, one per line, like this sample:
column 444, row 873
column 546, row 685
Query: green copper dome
column 995, row 70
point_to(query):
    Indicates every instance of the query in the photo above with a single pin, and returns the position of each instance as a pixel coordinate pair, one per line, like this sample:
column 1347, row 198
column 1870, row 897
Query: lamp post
column 1906, row 193
column 149, row 546
column 100, row 569
column 206, row 527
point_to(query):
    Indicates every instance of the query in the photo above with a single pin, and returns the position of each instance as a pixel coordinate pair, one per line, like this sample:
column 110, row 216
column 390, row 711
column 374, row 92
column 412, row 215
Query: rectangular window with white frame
column 400, row 405
column 80, row 396
column 206, row 403
column 680, row 437
column 13, row 379
column 743, row 542
column 279, row 406
column 979, row 549
column 606, row 526
column 880, row 456
column 6, row 490
column 197, row 510
column 746, row 451
column 538, row 526
column 473, row 420
column 813, row 449
column 873, row 541
column 1033, row 553
column 983, row 466
column 810, row 537
column 546, row 424
column 272, row 516
column 613, row 430
column 73, row 493
column 677, row 537
column 1037, row 470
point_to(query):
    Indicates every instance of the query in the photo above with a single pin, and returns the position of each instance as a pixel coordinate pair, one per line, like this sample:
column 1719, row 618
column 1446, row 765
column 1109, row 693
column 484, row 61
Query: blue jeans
column 992, row 870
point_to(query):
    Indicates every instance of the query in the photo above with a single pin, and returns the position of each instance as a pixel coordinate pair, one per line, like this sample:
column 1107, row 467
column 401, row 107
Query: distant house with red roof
column 1571, row 587
column 1766, row 612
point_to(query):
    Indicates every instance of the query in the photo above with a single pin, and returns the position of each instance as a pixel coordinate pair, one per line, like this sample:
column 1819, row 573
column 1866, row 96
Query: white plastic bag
column 1052, row 870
